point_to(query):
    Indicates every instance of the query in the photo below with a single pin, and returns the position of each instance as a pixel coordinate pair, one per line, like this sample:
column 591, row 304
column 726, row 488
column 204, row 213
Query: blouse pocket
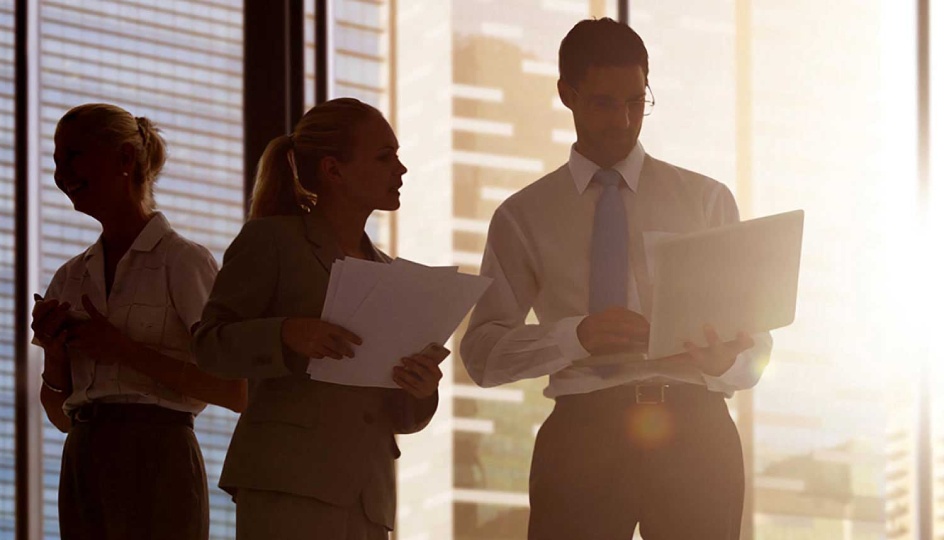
column 146, row 323
column 147, row 309
column 150, row 287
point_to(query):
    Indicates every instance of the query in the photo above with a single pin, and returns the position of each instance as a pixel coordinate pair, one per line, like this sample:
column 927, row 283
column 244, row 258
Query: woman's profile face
column 88, row 172
column 372, row 178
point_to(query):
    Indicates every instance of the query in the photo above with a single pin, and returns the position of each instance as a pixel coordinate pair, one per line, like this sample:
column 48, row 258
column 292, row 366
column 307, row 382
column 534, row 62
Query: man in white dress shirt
column 629, row 443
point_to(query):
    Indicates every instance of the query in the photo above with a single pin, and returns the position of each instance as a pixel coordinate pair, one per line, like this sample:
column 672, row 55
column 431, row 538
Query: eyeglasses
column 608, row 105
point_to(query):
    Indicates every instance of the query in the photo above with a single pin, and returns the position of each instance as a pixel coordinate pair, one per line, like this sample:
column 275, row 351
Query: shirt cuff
column 719, row 383
column 739, row 376
column 565, row 336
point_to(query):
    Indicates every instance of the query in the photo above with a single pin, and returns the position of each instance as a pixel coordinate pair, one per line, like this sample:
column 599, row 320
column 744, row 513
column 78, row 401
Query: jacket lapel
column 378, row 255
column 322, row 241
column 325, row 247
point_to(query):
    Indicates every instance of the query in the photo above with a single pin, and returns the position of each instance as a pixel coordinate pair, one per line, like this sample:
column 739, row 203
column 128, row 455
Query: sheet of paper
column 397, row 309
column 337, row 269
column 463, row 294
column 357, row 279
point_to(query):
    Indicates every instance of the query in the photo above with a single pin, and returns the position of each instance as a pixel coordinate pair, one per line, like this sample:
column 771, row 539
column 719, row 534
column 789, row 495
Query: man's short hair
column 600, row 43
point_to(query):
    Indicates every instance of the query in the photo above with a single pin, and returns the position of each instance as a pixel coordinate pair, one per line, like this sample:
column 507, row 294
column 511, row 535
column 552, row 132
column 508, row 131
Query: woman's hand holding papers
column 612, row 331
column 315, row 338
column 718, row 356
column 419, row 374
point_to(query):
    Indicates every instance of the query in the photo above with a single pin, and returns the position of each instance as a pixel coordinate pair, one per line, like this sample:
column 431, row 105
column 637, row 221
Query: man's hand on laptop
column 613, row 330
column 718, row 356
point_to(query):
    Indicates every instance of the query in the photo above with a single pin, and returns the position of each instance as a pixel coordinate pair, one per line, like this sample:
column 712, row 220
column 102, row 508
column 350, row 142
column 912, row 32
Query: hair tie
column 137, row 121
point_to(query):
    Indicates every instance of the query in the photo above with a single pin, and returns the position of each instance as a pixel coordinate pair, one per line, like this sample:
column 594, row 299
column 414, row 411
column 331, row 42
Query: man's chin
column 623, row 151
column 615, row 155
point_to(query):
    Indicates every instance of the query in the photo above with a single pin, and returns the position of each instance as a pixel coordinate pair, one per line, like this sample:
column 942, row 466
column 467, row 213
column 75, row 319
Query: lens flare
column 650, row 426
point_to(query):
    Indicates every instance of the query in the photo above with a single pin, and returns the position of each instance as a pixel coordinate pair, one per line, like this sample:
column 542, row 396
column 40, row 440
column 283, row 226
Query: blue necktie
column 609, row 248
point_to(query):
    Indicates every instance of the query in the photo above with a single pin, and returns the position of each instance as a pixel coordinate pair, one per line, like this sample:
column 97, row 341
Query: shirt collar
column 582, row 169
column 150, row 235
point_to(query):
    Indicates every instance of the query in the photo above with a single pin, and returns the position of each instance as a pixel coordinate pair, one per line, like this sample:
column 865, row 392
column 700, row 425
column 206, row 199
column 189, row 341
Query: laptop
column 738, row 277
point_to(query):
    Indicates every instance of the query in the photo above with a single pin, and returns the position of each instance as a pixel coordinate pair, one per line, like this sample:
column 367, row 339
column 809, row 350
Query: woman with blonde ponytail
column 311, row 459
column 115, row 327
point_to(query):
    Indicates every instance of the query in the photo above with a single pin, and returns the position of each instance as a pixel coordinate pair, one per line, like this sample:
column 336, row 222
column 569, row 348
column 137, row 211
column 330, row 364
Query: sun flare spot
column 650, row 426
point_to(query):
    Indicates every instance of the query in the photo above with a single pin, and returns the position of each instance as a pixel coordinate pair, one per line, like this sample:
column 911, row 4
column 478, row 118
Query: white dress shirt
column 538, row 254
column 159, row 290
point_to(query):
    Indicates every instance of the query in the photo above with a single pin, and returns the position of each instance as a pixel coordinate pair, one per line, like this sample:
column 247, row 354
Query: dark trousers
column 604, row 463
column 137, row 475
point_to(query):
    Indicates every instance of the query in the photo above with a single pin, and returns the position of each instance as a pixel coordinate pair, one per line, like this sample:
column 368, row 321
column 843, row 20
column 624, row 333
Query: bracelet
column 51, row 387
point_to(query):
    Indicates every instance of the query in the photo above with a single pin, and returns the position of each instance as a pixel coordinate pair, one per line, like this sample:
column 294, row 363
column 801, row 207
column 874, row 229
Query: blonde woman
column 115, row 326
column 311, row 459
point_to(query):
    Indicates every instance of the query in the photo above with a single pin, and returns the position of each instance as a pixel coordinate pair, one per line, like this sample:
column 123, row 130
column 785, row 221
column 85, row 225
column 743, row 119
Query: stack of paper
column 396, row 309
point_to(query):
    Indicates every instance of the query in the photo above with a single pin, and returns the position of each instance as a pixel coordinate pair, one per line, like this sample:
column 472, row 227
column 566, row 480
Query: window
column 7, row 269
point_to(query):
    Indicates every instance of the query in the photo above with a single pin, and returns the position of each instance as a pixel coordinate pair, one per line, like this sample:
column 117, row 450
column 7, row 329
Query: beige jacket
column 331, row 442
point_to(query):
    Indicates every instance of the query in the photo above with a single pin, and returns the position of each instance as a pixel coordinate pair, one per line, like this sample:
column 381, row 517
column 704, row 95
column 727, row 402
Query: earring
column 124, row 174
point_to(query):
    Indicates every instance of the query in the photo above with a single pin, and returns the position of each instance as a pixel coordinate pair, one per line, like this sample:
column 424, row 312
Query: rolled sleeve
column 565, row 335
column 499, row 347
column 191, row 275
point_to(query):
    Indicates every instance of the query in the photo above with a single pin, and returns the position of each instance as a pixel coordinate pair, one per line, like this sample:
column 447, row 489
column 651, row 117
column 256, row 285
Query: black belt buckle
column 650, row 394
